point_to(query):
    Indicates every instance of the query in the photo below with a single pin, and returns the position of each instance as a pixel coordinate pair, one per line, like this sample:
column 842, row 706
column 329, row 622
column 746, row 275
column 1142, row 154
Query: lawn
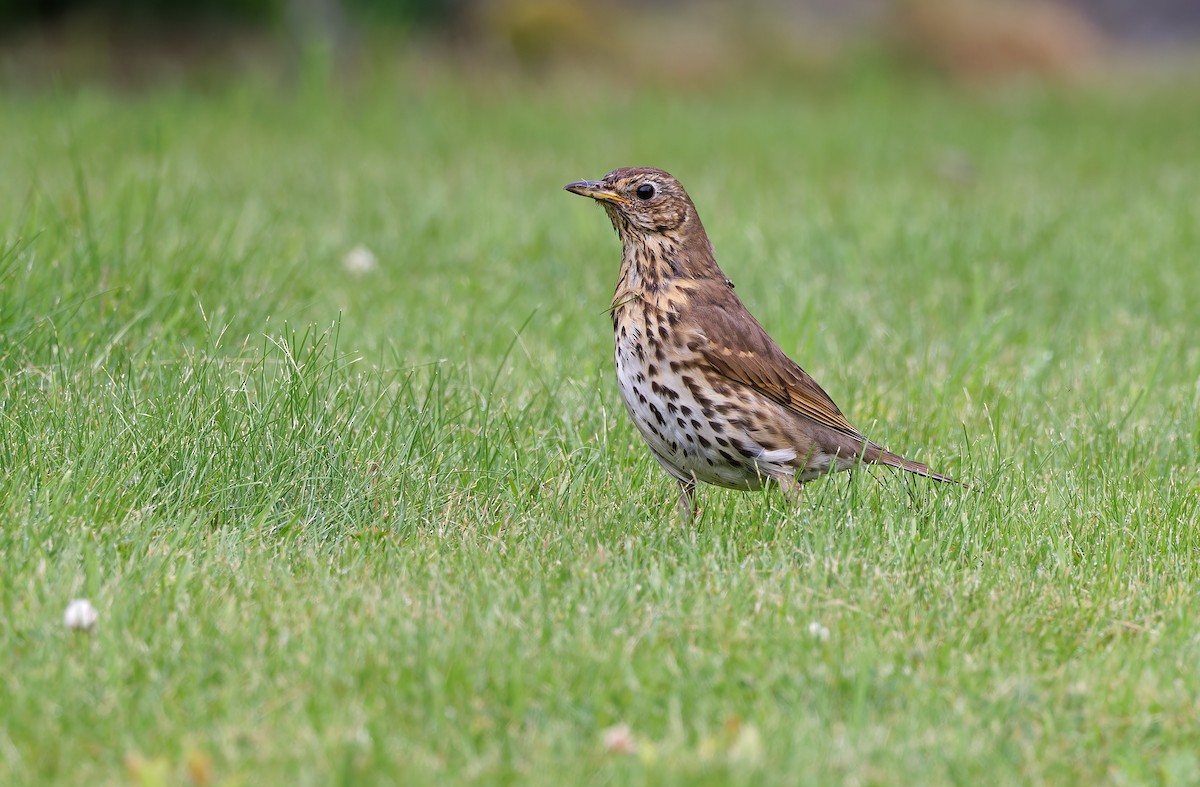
column 393, row 526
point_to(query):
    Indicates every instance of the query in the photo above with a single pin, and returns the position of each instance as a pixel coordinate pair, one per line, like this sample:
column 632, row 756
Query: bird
column 711, row 393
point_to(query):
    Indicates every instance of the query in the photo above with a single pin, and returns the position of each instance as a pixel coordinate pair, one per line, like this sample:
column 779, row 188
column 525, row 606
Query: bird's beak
column 597, row 190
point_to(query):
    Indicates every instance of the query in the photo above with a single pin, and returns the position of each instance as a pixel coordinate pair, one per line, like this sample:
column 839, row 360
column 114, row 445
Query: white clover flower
column 80, row 615
column 360, row 261
column 747, row 745
column 619, row 739
column 815, row 629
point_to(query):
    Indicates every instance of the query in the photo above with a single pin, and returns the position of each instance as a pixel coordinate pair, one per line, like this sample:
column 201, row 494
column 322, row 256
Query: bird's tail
column 885, row 457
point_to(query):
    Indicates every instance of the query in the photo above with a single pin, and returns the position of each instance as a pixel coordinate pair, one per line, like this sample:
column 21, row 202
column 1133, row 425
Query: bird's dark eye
column 645, row 191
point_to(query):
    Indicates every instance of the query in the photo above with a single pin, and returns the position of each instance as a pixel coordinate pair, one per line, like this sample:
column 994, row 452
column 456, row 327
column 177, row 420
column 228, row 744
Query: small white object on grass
column 619, row 739
column 360, row 261
column 817, row 630
column 747, row 746
column 80, row 615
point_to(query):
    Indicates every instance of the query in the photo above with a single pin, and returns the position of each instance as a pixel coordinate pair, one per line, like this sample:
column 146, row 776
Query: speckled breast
column 687, row 436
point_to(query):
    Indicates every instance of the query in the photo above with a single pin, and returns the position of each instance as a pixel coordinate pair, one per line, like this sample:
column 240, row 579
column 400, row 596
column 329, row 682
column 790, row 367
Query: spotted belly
column 688, row 437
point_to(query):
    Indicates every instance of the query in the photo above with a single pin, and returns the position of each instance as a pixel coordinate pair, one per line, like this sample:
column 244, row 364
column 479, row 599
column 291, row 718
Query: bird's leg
column 687, row 500
column 791, row 487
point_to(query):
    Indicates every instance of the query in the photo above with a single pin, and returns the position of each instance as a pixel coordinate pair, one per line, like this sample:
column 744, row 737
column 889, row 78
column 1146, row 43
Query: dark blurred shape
column 1153, row 22
column 414, row 13
column 669, row 42
column 15, row 14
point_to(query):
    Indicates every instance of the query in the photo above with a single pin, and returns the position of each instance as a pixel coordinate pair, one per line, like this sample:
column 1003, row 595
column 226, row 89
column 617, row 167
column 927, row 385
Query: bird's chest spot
column 651, row 390
column 676, row 413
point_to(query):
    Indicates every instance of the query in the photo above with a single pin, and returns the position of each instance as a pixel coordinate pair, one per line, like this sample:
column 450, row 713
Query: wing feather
column 747, row 355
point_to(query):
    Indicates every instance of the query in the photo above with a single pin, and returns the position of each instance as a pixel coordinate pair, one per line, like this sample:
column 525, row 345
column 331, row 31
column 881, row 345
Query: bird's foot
column 687, row 502
column 791, row 488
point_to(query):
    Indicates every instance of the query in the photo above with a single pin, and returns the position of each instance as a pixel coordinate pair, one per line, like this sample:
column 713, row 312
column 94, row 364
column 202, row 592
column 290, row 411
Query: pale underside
column 690, row 447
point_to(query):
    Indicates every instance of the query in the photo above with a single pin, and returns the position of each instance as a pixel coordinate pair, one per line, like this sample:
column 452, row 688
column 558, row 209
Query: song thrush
column 711, row 393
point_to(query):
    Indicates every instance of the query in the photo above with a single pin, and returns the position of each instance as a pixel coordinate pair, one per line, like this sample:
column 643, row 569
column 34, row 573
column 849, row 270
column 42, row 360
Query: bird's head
column 641, row 200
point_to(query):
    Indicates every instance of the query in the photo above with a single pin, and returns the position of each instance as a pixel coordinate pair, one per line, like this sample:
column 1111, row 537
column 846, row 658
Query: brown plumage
column 712, row 394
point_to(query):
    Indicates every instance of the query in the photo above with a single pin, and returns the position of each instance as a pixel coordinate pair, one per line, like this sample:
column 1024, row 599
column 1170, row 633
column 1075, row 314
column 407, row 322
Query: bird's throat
column 650, row 264
column 651, row 280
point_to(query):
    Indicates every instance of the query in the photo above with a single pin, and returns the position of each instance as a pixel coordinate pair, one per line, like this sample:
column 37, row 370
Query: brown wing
column 737, row 347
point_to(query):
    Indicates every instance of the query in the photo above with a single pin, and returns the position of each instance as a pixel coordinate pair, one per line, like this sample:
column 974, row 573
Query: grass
column 395, row 527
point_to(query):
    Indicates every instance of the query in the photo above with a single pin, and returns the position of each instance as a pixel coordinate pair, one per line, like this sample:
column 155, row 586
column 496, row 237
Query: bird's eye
column 645, row 191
